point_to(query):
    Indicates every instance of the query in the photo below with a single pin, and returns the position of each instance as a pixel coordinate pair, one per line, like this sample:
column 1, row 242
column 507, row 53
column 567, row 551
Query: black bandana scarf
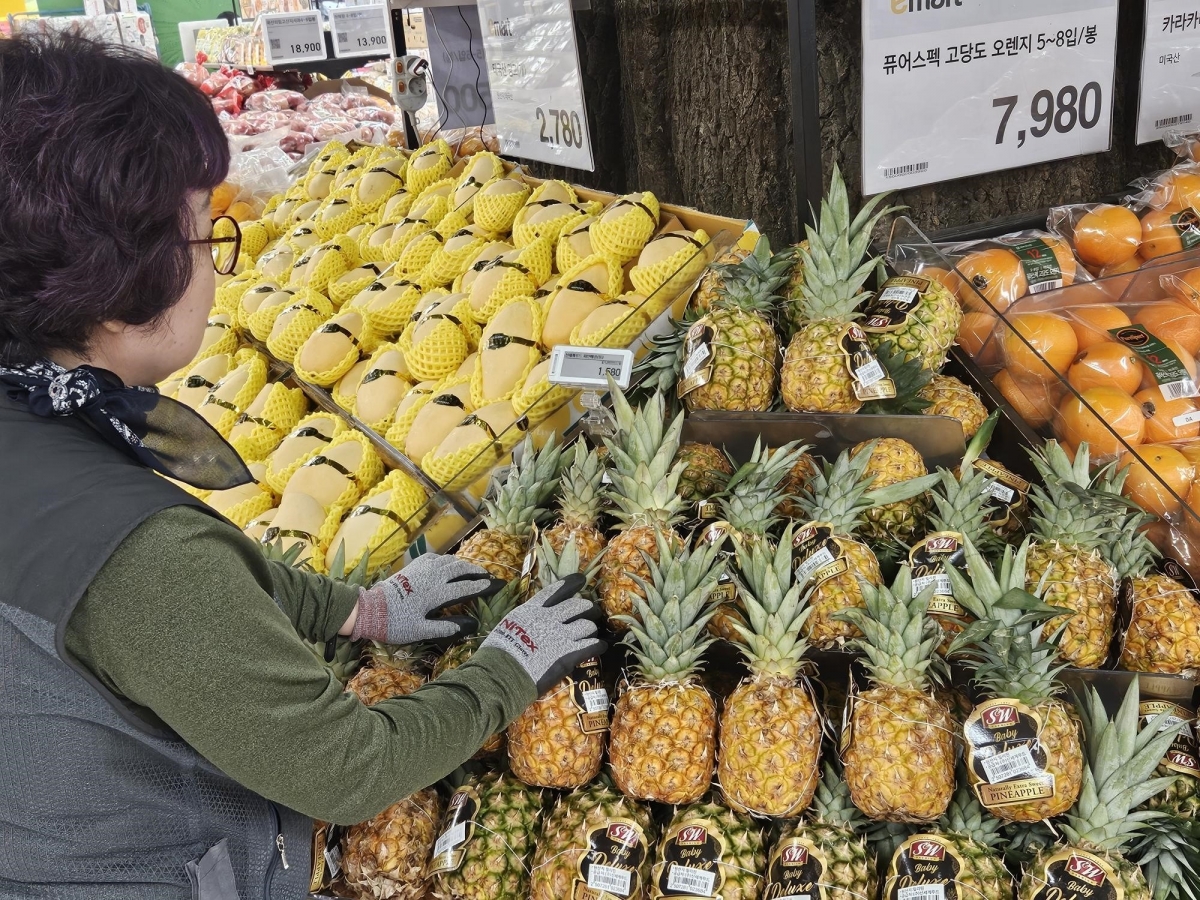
column 158, row 432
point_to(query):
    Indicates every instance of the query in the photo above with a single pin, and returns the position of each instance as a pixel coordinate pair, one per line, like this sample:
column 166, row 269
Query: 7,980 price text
column 1061, row 112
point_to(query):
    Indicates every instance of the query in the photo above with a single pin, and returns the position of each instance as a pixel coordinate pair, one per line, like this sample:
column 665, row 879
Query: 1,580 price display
column 560, row 126
column 1060, row 112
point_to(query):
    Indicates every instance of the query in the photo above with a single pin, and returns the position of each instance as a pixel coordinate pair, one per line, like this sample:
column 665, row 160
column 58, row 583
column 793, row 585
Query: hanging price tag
column 959, row 87
column 1169, row 97
column 590, row 366
column 537, row 89
column 360, row 31
column 293, row 37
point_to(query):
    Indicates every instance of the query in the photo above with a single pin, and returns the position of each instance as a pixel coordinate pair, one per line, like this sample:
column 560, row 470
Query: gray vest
column 97, row 803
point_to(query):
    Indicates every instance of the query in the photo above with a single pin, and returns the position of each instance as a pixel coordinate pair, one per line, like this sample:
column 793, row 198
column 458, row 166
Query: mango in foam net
column 349, row 284
column 457, row 251
column 231, row 291
column 303, row 237
column 406, row 412
column 381, row 388
column 496, row 205
column 450, row 403
column 474, row 446
column 429, row 209
column 417, row 253
column 378, row 184
column 543, row 218
column 260, row 305
column 230, row 396
column 346, row 387
column 272, row 414
column 340, row 474
column 324, row 263
column 381, row 524
column 335, row 346
column 581, row 290
column 429, row 164
column 615, row 324
column 669, row 263
column 297, row 520
column 508, row 352
column 311, row 435
column 295, row 322
column 336, row 216
column 220, row 336
column 244, row 503
column 257, row 527
column 478, row 262
column 319, row 184
column 307, row 211
column 397, row 206
column 517, row 273
column 574, row 244
column 480, row 169
column 360, row 231
column 537, row 398
column 272, row 204
column 276, row 264
column 626, row 225
column 255, row 238
column 201, row 377
column 375, row 243
column 439, row 336
column 390, row 300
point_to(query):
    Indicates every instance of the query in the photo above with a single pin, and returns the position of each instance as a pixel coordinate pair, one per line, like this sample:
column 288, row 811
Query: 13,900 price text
column 560, row 126
column 1060, row 112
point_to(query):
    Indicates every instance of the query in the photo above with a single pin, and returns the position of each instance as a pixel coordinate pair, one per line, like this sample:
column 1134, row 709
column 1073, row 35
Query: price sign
column 1170, row 93
column 590, row 366
column 459, row 68
column 958, row 87
column 293, row 37
column 537, row 89
column 360, row 31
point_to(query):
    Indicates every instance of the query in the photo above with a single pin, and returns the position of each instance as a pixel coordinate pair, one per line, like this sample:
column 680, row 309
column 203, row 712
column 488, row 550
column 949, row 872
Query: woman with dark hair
column 165, row 732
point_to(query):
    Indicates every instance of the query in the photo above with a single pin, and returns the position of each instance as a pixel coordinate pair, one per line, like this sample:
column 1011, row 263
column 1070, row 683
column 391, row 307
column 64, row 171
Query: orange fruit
column 1161, row 415
column 1049, row 335
column 1184, row 286
column 1132, row 264
column 1189, row 363
column 1091, row 323
column 944, row 277
column 1177, row 191
column 1171, row 319
column 997, row 274
column 1106, row 365
column 1108, row 235
column 974, row 330
column 1086, row 420
column 1033, row 401
column 1192, row 451
column 1161, row 236
column 222, row 196
column 1066, row 259
column 1158, row 479
column 243, row 211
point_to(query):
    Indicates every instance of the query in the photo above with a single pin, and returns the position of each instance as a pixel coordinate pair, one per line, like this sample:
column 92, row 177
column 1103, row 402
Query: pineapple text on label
column 818, row 560
column 595, row 700
column 698, row 357
column 293, row 37
column 941, row 585
column 694, row 881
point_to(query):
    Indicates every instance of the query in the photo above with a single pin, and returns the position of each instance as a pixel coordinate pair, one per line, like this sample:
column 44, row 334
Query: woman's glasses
column 225, row 246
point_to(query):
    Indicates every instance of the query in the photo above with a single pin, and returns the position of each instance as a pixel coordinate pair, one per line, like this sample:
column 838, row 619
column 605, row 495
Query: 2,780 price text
column 1060, row 112
column 560, row 126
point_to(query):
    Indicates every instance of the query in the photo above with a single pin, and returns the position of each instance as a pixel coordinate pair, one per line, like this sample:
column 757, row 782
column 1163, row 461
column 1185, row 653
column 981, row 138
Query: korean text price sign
column 959, row 87
column 293, row 37
column 537, row 91
column 360, row 31
column 1170, row 92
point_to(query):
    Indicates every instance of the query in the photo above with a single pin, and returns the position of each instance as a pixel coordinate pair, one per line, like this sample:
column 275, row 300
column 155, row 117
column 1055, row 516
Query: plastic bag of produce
column 194, row 73
column 1108, row 238
column 372, row 114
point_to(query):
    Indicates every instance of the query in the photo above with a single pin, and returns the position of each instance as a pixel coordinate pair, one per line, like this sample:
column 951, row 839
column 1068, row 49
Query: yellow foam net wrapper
column 260, row 322
column 496, row 212
column 492, row 336
column 417, row 253
column 362, row 478
column 618, row 332
column 441, row 349
column 272, row 205
column 376, row 186
column 465, row 466
column 540, row 399
column 625, row 235
column 336, row 216
column 246, row 511
column 321, row 264
column 402, row 423
column 673, row 273
column 343, row 391
column 346, row 286
column 231, row 291
column 254, row 437
column 397, row 516
column 360, row 346
column 255, row 369
column 419, row 175
column 616, row 275
column 308, row 310
column 276, row 264
column 277, row 477
column 227, row 342
column 372, row 372
column 376, row 244
column 255, row 237
column 397, row 206
column 532, row 270
column 390, row 300
column 525, row 232
column 564, row 254
column 448, row 264
column 482, row 167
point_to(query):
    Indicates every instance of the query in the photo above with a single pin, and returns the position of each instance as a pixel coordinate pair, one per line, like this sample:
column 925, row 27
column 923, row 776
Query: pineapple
column 834, row 500
column 708, row 291
column 770, row 726
column 664, row 730
column 732, row 352
column 1074, row 520
column 645, row 490
column 826, row 849
column 898, row 744
column 558, row 741
column 1169, row 855
column 919, row 315
column 593, row 826
column 1102, row 825
column 1016, row 670
column 509, row 518
column 581, row 497
column 816, row 375
column 793, row 486
column 708, row 843
column 891, row 461
column 1182, row 798
column 947, row 396
column 388, row 672
column 963, row 855
column 706, row 473
column 502, row 816
column 1164, row 627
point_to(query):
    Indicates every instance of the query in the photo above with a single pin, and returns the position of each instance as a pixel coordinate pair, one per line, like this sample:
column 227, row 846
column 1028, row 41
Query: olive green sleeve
column 181, row 621
column 317, row 606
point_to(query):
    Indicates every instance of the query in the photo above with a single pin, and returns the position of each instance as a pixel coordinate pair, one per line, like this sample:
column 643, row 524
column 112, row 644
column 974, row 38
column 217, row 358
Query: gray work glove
column 550, row 633
column 403, row 609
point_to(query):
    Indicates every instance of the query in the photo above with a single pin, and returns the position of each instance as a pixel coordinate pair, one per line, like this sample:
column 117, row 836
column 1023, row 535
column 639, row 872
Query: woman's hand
column 404, row 609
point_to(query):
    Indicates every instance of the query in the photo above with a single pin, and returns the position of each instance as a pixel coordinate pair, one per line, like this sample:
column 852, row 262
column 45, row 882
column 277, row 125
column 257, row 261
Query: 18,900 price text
column 1059, row 112
column 560, row 126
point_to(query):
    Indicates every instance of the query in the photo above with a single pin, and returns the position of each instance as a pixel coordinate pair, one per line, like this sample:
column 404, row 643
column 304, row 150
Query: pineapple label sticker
column 929, row 559
column 1077, row 875
column 1169, row 97
column 1173, row 378
column 796, row 869
column 1006, row 494
column 458, row 826
column 888, row 310
column 1181, row 756
column 925, row 867
column 590, row 696
column 612, row 864
column 537, row 90
column 817, row 555
column 871, row 382
column 1005, row 759
column 689, row 862
column 697, row 358
column 959, row 87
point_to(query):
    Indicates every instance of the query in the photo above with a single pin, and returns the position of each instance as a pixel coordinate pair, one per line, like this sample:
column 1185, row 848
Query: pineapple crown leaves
column 960, row 501
column 754, row 283
column 966, row 816
column 840, row 492
column 1116, row 779
column 832, row 804
column 552, row 567
column 1131, row 552
column 663, row 365
column 775, row 605
column 581, row 486
column 749, row 501
column 490, row 610
column 520, row 500
column 1169, row 854
column 337, row 569
column 1071, row 505
column 668, row 634
column 909, row 377
column 274, row 552
column 899, row 638
column 645, row 477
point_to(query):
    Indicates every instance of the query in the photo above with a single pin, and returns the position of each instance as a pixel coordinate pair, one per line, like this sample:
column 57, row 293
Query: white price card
column 537, row 88
column 293, row 37
column 360, row 31
column 958, row 87
column 1169, row 97
column 590, row 366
